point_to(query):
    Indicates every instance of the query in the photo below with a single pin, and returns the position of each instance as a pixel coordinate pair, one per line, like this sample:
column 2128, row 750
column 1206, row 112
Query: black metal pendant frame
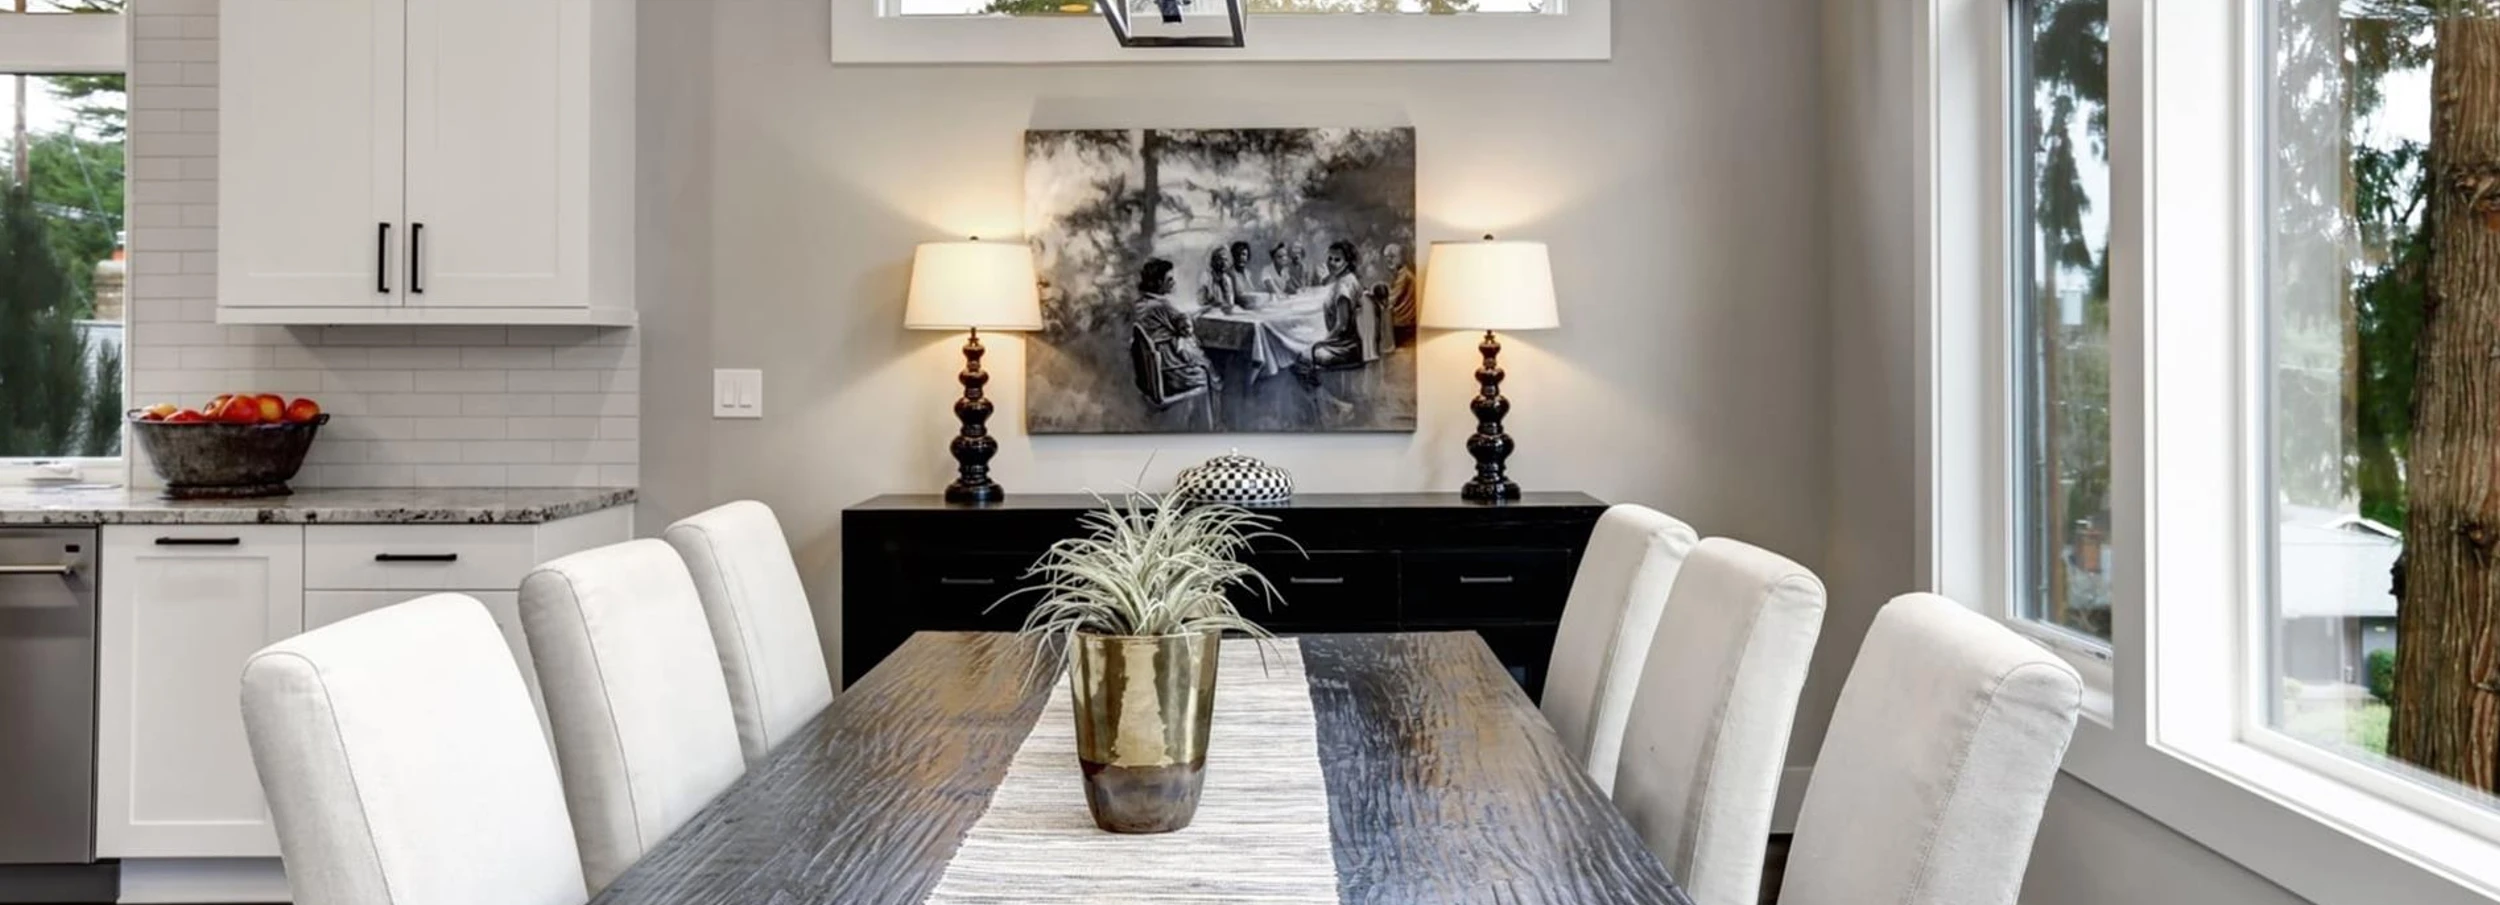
column 974, row 447
column 1490, row 446
column 1116, row 13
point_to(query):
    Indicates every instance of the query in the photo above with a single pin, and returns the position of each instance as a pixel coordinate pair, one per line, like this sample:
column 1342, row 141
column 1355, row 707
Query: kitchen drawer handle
column 199, row 542
column 1487, row 579
column 416, row 258
column 37, row 570
column 416, row 557
column 1310, row 580
column 382, row 259
column 968, row 582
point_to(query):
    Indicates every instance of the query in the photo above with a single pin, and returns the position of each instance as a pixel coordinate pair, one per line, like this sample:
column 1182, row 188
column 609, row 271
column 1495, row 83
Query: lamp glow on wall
column 1491, row 286
column 973, row 286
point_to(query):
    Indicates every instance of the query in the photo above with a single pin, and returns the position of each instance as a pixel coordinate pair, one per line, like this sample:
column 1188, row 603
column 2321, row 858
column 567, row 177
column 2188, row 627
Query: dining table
column 1342, row 768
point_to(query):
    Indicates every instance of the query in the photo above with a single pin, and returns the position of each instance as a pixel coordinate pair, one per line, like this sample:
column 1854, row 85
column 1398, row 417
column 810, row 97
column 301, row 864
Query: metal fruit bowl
column 207, row 460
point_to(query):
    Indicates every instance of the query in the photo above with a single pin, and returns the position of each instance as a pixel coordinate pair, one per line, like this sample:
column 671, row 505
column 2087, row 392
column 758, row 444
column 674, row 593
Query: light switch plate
column 737, row 393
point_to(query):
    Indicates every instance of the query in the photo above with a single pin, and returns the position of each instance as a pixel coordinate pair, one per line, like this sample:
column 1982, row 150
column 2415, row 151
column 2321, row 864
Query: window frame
column 866, row 32
column 2180, row 735
column 69, row 44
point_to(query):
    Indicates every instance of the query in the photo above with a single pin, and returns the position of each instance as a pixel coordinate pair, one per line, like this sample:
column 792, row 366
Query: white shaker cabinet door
column 182, row 608
column 499, row 153
column 309, row 159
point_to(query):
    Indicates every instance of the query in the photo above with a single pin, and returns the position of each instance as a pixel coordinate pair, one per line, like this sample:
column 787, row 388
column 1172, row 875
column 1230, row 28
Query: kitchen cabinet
column 180, row 608
column 426, row 161
column 183, row 606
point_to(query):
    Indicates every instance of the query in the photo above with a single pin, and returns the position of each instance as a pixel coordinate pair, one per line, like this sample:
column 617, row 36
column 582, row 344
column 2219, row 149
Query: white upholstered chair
column 1941, row 753
column 634, row 692
column 404, row 765
column 1613, row 610
column 1707, row 740
column 761, row 624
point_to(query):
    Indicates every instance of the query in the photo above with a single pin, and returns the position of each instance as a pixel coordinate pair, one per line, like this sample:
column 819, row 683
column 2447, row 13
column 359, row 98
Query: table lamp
column 1489, row 285
column 973, row 286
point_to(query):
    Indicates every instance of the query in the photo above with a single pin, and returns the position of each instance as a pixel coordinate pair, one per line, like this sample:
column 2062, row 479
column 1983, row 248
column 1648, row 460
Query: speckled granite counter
column 90, row 505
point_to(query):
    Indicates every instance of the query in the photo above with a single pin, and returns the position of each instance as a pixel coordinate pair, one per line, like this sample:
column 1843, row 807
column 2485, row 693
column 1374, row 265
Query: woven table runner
column 1261, row 834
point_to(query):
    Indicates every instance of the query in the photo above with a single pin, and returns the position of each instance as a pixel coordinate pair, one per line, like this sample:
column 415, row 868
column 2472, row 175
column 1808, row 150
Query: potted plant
column 1137, row 608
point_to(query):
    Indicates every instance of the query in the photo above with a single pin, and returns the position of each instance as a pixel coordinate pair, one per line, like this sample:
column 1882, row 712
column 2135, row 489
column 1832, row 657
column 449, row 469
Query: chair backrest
column 1930, row 786
column 1707, row 740
column 760, row 618
column 1622, row 585
column 404, row 765
column 1146, row 365
column 634, row 692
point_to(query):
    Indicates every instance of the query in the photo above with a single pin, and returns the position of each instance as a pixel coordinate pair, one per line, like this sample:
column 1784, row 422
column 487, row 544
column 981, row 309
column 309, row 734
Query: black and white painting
column 1222, row 280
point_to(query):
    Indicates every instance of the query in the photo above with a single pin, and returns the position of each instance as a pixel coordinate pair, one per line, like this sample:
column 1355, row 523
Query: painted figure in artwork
column 1178, row 362
column 1400, row 290
column 1283, row 277
column 1216, row 289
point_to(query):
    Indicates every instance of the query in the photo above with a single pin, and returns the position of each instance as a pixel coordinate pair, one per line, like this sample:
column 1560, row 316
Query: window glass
column 2385, row 586
column 2059, row 290
column 62, row 266
column 1085, row 8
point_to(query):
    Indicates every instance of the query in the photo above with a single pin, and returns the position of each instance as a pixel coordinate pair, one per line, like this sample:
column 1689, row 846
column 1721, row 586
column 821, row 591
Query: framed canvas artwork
column 1222, row 280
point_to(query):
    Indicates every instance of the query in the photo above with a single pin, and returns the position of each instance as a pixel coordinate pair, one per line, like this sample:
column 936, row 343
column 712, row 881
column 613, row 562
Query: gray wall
column 1677, row 186
column 2092, row 849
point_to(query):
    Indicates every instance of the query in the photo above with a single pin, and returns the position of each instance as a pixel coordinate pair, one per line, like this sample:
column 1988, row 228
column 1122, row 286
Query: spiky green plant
column 1156, row 566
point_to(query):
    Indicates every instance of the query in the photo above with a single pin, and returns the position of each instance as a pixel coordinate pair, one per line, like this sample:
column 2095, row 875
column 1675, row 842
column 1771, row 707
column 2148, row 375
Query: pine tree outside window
column 63, row 268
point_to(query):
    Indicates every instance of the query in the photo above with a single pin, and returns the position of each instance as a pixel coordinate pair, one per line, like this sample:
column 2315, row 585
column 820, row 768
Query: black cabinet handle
column 1487, row 579
column 1308, row 580
column 967, row 582
column 416, row 258
column 382, row 259
column 199, row 542
column 416, row 557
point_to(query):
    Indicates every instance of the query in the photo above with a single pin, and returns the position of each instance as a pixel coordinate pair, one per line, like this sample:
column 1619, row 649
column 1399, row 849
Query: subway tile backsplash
column 428, row 406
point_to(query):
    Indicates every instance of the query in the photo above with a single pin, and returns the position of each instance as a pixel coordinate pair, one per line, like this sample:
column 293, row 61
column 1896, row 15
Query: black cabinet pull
column 199, row 542
column 416, row 557
column 967, row 582
column 1309, row 580
column 382, row 259
column 1487, row 579
column 416, row 258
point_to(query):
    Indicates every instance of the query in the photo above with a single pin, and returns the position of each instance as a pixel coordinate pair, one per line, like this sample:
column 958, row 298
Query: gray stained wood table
column 1445, row 785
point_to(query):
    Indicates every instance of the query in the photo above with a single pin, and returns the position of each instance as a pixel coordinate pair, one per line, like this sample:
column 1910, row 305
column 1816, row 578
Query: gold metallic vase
column 1143, row 707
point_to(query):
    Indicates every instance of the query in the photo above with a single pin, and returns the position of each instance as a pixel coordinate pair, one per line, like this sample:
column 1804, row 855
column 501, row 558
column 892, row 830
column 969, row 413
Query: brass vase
column 1143, row 707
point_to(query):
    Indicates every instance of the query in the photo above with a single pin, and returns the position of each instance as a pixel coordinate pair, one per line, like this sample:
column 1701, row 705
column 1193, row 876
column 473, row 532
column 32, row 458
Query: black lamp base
column 1490, row 445
column 974, row 447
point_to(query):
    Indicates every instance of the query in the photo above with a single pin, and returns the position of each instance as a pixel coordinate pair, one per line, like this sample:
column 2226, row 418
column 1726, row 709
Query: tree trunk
column 2447, row 712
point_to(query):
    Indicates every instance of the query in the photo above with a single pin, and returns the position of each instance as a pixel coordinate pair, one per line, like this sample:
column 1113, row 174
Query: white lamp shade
column 967, row 285
column 1489, row 285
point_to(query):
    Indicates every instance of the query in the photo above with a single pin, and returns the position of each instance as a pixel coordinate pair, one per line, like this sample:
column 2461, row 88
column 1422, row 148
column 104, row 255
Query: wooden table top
column 1445, row 785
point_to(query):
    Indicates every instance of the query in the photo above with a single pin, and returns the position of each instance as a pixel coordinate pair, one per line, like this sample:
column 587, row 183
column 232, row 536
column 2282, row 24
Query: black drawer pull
column 1487, row 579
column 968, row 582
column 199, row 542
column 1308, row 580
column 416, row 557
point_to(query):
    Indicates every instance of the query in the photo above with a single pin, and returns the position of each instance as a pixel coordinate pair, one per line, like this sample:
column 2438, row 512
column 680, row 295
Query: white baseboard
column 203, row 880
column 1792, row 793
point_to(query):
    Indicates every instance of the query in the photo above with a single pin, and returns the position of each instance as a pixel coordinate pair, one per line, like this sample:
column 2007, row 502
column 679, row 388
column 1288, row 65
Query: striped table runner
column 1261, row 835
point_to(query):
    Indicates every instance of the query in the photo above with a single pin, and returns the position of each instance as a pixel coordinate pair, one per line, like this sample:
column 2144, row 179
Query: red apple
column 161, row 411
column 186, row 416
column 302, row 410
column 270, row 408
column 238, row 410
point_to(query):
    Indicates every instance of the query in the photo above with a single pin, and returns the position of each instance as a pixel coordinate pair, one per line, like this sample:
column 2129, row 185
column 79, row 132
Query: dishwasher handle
column 38, row 570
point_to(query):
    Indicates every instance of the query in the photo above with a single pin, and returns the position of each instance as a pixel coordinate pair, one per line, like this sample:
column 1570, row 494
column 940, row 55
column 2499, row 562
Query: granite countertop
column 101, row 505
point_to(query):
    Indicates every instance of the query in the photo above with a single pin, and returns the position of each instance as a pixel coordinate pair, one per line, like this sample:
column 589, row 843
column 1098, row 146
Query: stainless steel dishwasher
column 48, row 716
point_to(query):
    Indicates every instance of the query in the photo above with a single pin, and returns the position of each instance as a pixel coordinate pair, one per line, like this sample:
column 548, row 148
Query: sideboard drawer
column 955, row 592
column 1326, row 588
column 1473, row 586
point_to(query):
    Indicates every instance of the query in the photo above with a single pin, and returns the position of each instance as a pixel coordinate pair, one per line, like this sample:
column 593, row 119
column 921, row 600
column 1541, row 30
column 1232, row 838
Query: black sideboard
column 1376, row 563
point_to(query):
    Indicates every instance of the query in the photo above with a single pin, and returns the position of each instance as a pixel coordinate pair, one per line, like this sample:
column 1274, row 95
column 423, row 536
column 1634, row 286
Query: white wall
column 429, row 406
column 1677, row 185
column 2092, row 849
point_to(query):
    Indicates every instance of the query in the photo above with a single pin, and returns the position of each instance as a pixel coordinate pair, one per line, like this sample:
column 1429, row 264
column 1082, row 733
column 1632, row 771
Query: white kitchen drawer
column 418, row 557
